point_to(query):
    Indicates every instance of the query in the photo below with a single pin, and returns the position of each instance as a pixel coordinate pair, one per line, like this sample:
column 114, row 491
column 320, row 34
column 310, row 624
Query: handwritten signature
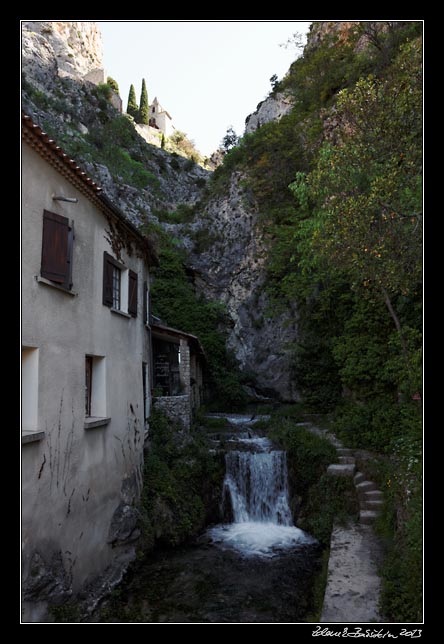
column 360, row 632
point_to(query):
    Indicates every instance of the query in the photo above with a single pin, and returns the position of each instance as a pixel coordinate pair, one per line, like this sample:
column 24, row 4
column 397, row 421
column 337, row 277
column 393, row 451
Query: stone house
column 178, row 373
column 86, row 383
column 160, row 119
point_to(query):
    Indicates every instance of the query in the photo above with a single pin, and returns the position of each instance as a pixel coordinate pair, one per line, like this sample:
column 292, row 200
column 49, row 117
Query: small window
column 116, row 287
column 57, row 247
column 111, row 282
column 153, row 109
column 95, row 387
column 30, row 388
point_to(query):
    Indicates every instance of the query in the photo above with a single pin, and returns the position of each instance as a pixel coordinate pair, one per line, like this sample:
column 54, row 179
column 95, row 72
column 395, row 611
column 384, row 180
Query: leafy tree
column 143, row 116
column 365, row 191
column 230, row 139
column 132, row 107
column 113, row 84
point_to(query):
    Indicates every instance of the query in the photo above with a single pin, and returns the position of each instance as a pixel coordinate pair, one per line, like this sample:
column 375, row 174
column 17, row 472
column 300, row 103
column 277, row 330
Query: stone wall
column 176, row 408
column 184, row 366
column 150, row 134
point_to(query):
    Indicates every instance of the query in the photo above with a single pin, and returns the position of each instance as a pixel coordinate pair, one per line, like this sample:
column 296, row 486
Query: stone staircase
column 370, row 498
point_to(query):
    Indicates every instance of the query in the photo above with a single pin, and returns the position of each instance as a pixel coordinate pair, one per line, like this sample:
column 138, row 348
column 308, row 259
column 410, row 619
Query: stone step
column 344, row 451
column 367, row 517
column 365, row 486
column 341, row 469
column 374, row 495
column 359, row 477
column 370, row 504
column 346, row 459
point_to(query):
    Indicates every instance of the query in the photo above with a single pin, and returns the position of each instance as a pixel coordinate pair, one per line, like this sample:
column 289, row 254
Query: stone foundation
column 176, row 408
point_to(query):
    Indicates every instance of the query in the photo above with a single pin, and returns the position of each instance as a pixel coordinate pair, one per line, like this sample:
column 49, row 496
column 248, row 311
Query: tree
column 230, row 139
column 365, row 191
column 113, row 84
column 143, row 116
column 132, row 108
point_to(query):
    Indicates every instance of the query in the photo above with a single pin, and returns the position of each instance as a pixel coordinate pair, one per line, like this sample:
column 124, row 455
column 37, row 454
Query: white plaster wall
column 72, row 479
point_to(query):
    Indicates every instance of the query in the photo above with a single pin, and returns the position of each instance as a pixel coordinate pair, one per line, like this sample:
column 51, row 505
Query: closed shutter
column 132, row 293
column 108, row 263
column 145, row 303
column 56, row 249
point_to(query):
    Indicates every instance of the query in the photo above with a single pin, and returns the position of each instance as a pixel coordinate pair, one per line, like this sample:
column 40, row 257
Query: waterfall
column 256, row 485
column 255, row 499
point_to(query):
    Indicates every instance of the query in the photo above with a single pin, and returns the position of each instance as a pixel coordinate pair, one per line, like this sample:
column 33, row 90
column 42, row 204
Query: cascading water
column 256, row 484
column 255, row 493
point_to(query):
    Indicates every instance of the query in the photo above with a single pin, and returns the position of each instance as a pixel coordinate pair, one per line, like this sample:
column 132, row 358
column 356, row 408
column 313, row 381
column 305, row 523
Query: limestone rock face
column 272, row 109
column 230, row 268
column 72, row 49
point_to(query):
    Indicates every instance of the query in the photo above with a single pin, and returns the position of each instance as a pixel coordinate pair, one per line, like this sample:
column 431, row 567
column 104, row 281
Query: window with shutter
column 132, row 293
column 111, row 282
column 57, row 248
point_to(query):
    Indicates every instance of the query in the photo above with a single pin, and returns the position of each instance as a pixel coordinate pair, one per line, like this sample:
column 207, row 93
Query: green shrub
column 179, row 476
column 113, row 84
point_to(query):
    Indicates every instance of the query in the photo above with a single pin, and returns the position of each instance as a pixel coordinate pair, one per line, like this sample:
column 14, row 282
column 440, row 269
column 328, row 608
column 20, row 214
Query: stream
column 256, row 567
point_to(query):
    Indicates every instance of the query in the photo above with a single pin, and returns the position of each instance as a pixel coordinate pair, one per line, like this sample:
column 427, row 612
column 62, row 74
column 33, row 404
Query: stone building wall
column 176, row 408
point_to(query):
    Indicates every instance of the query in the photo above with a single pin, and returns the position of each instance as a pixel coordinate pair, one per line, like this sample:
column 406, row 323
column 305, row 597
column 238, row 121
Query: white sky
column 208, row 75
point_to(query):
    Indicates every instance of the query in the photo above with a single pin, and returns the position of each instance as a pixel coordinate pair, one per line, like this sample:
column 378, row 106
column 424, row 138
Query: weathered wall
column 176, row 408
column 79, row 485
column 150, row 134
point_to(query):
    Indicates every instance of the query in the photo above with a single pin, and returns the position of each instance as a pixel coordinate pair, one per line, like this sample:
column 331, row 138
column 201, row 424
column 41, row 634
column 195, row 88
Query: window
column 57, row 246
column 120, row 287
column 116, row 287
column 30, row 388
column 111, row 282
column 95, row 387
column 153, row 109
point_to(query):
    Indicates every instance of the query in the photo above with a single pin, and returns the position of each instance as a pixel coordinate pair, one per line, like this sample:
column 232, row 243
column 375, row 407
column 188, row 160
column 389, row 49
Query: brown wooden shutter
column 56, row 248
column 145, row 303
column 132, row 293
column 107, row 279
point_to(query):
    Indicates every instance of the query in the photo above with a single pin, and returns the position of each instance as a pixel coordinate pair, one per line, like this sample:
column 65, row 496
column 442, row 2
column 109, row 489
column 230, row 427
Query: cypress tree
column 132, row 108
column 144, row 108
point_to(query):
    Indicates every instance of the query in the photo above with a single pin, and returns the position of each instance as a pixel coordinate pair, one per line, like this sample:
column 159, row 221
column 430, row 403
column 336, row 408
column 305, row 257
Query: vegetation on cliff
column 338, row 183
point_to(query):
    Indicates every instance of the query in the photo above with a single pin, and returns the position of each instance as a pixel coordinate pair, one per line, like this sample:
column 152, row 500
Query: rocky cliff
column 224, row 241
column 64, row 49
column 273, row 108
column 232, row 270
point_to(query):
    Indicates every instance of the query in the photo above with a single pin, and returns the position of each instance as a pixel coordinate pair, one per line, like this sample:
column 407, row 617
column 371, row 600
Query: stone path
column 353, row 584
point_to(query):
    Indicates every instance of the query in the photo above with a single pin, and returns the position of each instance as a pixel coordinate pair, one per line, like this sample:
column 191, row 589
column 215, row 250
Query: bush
column 113, row 84
column 180, row 480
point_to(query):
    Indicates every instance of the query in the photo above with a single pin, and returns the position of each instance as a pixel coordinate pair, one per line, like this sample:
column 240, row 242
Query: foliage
column 230, row 139
column 401, row 525
column 179, row 477
column 132, row 107
column 323, row 499
column 143, row 113
column 113, row 84
column 177, row 304
column 178, row 143
column 183, row 214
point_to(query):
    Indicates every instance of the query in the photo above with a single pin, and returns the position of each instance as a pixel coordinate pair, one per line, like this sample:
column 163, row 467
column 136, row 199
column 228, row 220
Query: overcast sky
column 208, row 75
